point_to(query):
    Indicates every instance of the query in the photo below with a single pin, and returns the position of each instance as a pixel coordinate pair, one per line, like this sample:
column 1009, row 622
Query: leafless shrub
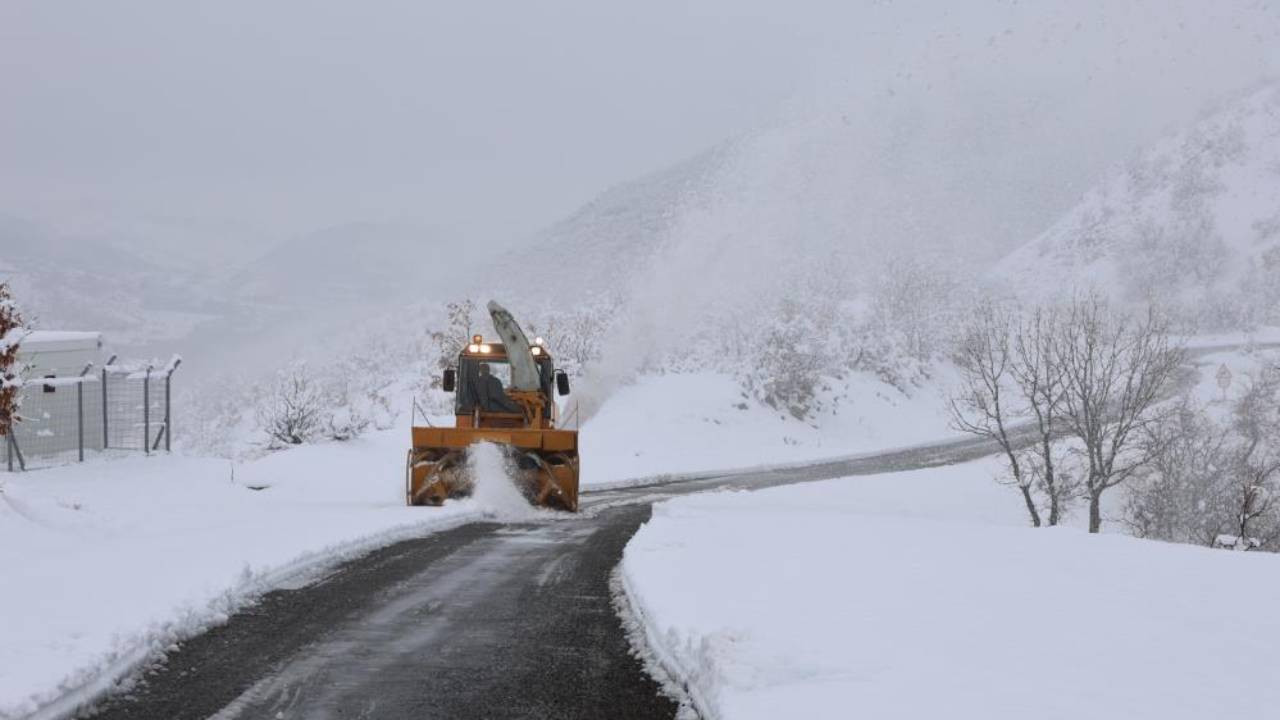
column 291, row 411
column 1252, row 497
column 1214, row 483
column 1174, row 497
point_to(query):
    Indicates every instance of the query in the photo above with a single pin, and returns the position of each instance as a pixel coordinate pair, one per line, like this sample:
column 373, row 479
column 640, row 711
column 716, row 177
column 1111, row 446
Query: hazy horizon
column 232, row 123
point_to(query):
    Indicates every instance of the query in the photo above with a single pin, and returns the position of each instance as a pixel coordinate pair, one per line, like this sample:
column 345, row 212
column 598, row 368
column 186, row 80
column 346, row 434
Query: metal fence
column 118, row 407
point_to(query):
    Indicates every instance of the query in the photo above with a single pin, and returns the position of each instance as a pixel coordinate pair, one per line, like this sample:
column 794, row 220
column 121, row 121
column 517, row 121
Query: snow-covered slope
column 694, row 422
column 923, row 595
column 599, row 247
column 862, row 174
column 1193, row 222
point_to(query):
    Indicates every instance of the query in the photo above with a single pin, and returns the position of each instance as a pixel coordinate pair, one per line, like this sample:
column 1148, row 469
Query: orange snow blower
column 503, row 395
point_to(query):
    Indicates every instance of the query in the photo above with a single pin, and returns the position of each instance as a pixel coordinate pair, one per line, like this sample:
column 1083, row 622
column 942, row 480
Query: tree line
column 1081, row 398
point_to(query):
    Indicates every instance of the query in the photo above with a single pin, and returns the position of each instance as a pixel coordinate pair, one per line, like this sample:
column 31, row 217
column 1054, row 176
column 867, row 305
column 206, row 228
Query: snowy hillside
column 859, row 175
column 599, row 247
column 1192, row 222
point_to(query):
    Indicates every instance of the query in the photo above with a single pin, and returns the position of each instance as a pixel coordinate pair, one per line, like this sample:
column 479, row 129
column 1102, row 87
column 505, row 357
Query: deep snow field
column 923, row 594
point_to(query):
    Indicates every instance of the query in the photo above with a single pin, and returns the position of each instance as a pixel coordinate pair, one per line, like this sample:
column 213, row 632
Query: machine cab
column 482, row 379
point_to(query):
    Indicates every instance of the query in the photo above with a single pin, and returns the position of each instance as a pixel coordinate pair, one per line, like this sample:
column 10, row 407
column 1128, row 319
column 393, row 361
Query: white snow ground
column 923, row 594
column 107, row 562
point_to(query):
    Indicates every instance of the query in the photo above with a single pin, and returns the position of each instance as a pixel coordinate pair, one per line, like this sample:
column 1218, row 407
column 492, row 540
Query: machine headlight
column 486, row 348
column 539, row 341
column 473, row 348
column 536, row 350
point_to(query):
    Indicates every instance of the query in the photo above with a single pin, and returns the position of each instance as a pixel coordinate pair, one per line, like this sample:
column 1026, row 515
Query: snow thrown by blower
column 495, row 491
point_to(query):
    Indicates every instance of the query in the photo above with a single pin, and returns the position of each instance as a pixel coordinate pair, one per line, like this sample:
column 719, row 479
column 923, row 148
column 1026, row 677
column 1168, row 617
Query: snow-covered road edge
column 87, row 686
column 659, row 661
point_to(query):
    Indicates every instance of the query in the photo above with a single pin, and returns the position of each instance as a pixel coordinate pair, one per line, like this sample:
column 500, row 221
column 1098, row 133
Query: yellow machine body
column 542, row 459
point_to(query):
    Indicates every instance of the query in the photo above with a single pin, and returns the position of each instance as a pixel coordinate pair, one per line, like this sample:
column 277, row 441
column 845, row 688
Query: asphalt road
column 485, row 621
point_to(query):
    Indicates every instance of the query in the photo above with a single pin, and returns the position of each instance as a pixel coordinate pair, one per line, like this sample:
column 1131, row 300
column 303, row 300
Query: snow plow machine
column 502, row 395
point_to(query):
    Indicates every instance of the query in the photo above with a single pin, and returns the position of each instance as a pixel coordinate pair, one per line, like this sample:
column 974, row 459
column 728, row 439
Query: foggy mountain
column 859, row 176
column 84, row 284
column 600, row 246
column 1191, row 223
column 358, row 262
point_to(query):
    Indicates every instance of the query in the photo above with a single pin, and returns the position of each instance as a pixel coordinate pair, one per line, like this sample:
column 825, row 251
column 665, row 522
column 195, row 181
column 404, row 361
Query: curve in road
column 488, row 620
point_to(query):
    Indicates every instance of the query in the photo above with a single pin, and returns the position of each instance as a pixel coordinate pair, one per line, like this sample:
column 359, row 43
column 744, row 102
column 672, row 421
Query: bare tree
column 1041, row 385
column 292, row 410
column 982, row 406
column 1115, row 370
column 12, row 331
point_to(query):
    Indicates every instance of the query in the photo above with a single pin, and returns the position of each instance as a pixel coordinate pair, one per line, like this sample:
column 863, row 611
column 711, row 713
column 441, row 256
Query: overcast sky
column 490, row 119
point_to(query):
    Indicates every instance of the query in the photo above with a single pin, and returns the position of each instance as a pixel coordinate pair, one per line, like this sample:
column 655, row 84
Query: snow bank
column 106, row 563
column 921, row 595
column 694, row 422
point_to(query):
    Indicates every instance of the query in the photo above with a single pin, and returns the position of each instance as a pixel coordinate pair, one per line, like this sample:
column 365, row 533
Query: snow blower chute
column 502, row 395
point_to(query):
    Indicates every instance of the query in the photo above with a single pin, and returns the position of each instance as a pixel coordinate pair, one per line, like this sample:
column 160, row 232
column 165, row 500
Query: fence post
column 80, row 410
column 168, row 417
column 146, row 411
column 104, row 402
column 15, row 450
column 80, row 419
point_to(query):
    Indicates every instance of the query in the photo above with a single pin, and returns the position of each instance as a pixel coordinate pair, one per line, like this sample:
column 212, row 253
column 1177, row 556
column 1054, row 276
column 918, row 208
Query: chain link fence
column 118, row 408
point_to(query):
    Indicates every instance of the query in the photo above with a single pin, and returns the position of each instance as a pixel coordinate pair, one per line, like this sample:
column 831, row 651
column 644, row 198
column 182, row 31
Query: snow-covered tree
column 791, row 360
column 12, row 331
column 1214, row 483
column 292, row 409
column 574, row 338
column 1253, row 500
column 460, row 322
column 1176, row 496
